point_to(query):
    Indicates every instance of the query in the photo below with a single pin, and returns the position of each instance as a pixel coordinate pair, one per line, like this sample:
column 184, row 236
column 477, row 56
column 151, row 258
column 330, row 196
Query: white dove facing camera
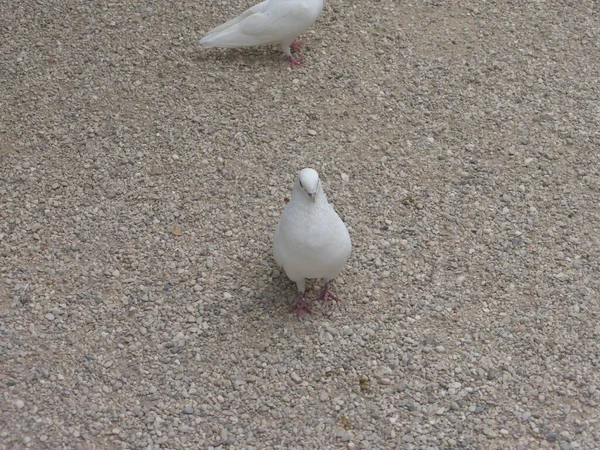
column 311, row 241
column 269, row 22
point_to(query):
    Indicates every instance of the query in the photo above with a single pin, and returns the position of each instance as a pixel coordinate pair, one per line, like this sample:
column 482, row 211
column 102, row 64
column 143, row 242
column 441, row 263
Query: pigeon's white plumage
column 272, row 21
column 311, row 241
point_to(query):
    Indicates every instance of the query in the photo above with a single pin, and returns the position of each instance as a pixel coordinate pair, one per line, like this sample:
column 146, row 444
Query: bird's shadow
column 276, row 297
column 244, row 57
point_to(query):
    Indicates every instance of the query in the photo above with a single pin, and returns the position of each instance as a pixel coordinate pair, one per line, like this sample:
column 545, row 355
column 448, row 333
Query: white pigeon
column 311, row 241
column 272, row 21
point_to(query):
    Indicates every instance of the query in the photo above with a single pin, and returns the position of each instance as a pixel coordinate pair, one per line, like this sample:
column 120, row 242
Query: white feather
column 272, row 21
column 311, row 241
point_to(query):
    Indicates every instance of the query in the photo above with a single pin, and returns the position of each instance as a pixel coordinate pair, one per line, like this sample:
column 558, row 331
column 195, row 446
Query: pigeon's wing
column 256, row 9
column 277, row 247
column 263, row 25
column 284, row 252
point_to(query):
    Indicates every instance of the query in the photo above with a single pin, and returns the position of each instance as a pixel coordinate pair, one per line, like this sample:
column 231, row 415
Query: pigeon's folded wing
column 277, row 247
column 255, row 29
column 273, row 25
column 249, row 12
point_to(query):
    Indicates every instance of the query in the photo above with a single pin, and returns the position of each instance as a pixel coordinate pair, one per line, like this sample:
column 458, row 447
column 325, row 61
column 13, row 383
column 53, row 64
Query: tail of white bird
column 229, row 33
column 231, row 37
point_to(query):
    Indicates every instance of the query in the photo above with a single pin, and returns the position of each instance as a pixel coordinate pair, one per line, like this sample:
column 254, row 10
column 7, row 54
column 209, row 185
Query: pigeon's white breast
column 311, row 244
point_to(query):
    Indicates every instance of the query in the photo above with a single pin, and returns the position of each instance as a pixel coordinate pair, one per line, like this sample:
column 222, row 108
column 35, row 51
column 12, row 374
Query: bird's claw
column 300, row 307
column 295, row 62
column 326, row 295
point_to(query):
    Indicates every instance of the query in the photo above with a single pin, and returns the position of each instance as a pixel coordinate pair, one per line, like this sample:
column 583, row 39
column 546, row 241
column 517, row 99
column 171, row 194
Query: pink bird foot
column 326, row 295
column 300, row 306
column 295, row 61
column 296, row 45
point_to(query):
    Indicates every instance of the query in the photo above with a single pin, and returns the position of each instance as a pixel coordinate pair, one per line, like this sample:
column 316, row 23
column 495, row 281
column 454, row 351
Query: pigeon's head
column 308, row 179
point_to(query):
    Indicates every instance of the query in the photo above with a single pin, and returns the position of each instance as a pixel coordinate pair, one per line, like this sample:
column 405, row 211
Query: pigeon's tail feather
column 212, row 37
column 231, row 37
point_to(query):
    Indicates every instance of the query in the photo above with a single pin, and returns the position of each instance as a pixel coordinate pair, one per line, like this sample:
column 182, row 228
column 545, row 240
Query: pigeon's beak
column 312, row 195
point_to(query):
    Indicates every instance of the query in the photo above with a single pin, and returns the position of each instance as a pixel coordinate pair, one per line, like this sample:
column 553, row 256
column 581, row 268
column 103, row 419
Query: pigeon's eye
column 300, row 183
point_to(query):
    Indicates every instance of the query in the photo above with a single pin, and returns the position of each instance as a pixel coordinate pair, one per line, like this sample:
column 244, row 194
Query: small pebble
column 489, row 432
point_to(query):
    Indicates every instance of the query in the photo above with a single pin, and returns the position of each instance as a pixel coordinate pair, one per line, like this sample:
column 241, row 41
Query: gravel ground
column 142, row 179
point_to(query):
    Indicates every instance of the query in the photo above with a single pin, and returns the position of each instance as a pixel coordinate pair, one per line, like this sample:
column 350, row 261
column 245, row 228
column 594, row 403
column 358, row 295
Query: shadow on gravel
column 249, row 57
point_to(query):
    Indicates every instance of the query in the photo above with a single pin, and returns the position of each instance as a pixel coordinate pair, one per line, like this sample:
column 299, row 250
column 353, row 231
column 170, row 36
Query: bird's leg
column 296, row 45
column 326, row 295
column 295, row 61
column 287, row 51
column 300, row 305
